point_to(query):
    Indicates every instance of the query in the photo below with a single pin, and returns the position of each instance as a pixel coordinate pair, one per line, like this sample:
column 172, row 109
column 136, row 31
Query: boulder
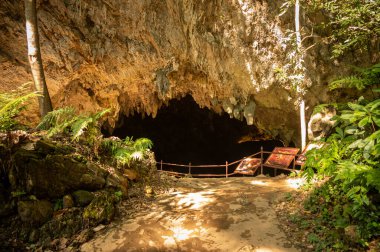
column 131, row 174
column 117, row 181
column 83, row 198
column 6, row 205
column 67, row 201
column 52, row 176
column 46, row 147
column 320, row 124
column 64, row 223
column 101, row 209
column 92, row 182
column 35, row 212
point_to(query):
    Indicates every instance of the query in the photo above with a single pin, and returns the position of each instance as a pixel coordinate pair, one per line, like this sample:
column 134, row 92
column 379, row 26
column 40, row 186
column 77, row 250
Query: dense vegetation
column 350, row 159
column 349, row 25
column 64, row 124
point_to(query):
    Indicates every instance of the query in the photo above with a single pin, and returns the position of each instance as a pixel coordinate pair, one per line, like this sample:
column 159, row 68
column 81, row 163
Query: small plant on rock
column 127, row 150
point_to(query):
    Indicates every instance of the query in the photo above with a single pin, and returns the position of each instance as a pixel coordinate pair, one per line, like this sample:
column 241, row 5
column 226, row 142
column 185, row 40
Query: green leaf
column 351, row 129
column 363, row 122
column 340, row 132
column 357, row 144
column 357, row 107
column 376, row 120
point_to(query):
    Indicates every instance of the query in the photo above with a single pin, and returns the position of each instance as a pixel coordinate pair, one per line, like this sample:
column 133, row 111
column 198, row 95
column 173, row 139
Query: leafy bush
column 351, row 24
column 11, row 104
column 351, row 158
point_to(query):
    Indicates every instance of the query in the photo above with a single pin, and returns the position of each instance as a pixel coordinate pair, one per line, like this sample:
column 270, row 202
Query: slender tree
column 34, row 56
column 299, row 66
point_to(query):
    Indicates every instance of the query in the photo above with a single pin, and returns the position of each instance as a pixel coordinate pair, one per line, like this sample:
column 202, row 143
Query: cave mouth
column 182, row 132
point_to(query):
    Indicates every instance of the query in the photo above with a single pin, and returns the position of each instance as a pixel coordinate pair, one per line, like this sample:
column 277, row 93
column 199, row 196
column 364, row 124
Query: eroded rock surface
column 134, row 56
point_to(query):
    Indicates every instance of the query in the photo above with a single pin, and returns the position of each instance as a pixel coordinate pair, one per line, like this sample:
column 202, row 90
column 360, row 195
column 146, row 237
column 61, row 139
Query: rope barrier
column 227, row 165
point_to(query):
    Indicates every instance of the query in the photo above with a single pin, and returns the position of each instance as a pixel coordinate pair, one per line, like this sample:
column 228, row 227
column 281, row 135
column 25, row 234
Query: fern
column 142, row 144
column 65, row 120
column 11, row 104
column 127, row 150
column 365, row 77
column 57, row 120
column 88, row 125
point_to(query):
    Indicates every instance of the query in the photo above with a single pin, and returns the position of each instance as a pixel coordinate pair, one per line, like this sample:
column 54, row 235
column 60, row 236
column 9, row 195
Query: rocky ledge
column 53, row 195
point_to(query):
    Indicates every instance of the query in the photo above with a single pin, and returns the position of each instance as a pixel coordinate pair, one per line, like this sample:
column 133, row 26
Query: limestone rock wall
column 136, row 55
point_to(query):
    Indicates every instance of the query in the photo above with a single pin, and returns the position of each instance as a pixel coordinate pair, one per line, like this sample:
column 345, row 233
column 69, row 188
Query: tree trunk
column 34, row 56
column 299, row 66
column 303, row 124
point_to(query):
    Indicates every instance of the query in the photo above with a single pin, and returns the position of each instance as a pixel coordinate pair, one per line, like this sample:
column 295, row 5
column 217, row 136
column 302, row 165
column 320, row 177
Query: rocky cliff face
column 136, row 55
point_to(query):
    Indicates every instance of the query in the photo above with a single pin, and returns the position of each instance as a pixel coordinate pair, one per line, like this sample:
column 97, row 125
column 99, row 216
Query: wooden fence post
column 262, row 159
column 161, row 165
column 294, row 163
column 226, row 169
column 190, row 168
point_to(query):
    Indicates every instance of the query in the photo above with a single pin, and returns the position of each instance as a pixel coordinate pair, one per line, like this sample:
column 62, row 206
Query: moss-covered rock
column 67, row 201
column 101, row 209
column 35, row 212
column 117, row 181
column 52, row 176
column 92, row 181
column 65, row 223
column 83, row 198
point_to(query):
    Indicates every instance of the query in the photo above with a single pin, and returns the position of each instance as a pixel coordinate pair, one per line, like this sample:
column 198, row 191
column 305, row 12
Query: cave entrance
column 182, row 132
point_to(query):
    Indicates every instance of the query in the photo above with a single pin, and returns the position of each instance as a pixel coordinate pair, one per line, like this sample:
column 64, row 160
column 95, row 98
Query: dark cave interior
column 182, row 132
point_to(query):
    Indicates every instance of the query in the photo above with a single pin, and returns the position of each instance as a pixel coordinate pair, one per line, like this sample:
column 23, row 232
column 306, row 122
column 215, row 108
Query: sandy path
column 234, row 214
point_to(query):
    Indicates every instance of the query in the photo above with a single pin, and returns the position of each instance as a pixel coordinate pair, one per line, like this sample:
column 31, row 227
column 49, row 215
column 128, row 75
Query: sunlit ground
column 258, row 182
column 194, row 201
column 224, row 214
column 295, row 183
column 188, row 201
column 199, row 201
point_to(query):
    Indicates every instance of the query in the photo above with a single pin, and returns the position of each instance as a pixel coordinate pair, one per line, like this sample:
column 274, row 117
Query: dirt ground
column 229, row 214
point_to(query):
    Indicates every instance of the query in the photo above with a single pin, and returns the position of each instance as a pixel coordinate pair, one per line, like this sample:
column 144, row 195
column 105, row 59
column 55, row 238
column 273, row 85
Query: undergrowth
column 85, row 130
column 347, row 207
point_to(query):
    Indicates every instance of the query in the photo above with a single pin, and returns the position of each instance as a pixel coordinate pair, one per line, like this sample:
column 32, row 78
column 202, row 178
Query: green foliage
column 11, row 104
column 365, row 77
column 58, row 205
column 118, row 195
column 65, row 121
column 351, row 158
column 58, row 121
column 88, row 126
column 124, row 151
column 17, row 194
column 353, row 24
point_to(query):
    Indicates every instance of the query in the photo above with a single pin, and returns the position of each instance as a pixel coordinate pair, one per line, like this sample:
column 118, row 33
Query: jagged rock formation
column 135, row 56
